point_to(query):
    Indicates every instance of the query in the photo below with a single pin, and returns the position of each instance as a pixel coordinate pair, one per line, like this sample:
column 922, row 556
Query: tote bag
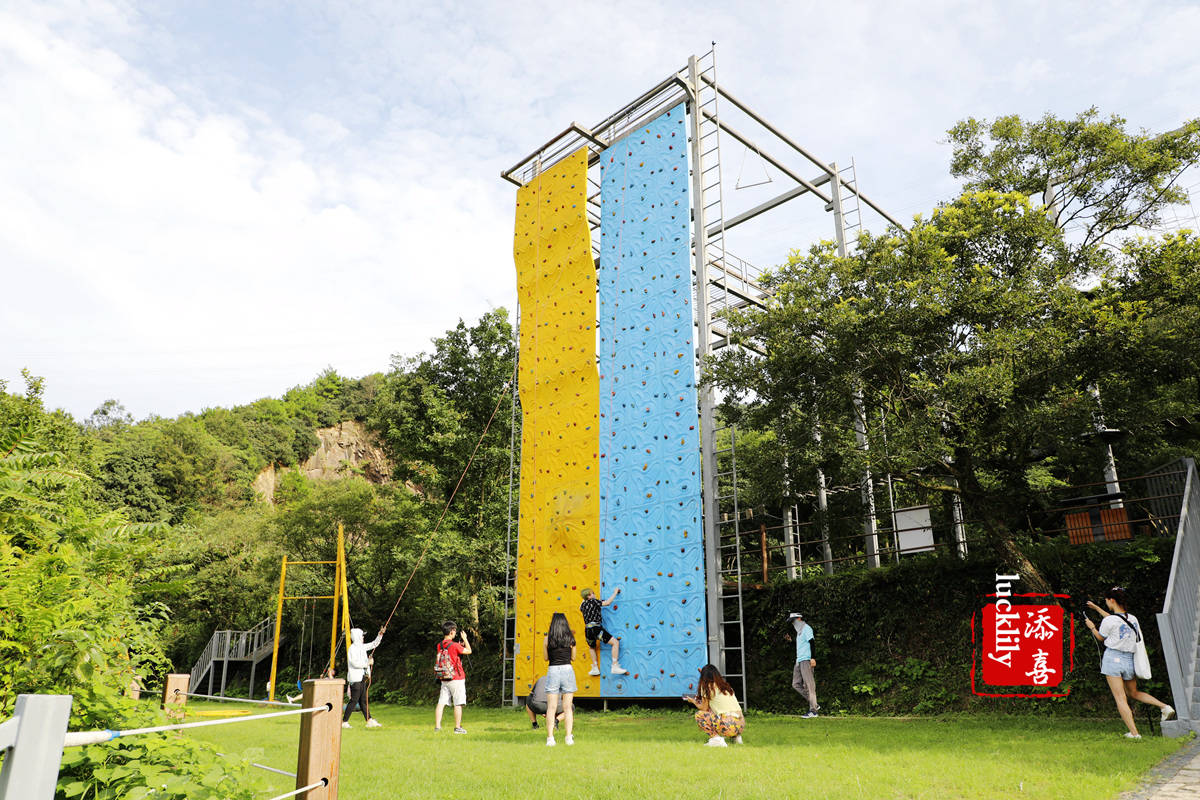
column 1141, row 661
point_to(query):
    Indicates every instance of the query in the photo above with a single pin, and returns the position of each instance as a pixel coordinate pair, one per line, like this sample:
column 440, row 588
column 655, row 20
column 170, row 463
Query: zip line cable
column 470, row 461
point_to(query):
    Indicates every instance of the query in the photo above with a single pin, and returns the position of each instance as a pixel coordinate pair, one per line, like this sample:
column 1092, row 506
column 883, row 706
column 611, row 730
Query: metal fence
column 1179, row 622
column 774, row 546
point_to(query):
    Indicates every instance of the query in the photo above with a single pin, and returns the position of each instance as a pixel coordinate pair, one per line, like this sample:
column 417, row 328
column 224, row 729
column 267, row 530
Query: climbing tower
column 623, row 274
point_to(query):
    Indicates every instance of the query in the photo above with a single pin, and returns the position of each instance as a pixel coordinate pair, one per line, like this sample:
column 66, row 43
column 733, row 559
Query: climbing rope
column 450, row 500
column 300, row 649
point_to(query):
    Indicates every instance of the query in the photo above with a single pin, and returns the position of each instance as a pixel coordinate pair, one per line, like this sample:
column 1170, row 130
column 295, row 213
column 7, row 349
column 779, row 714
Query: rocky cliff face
column 345, row 449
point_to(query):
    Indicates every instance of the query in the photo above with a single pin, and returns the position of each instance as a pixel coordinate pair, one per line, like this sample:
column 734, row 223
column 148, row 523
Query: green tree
column 1093, row 173
column 967, row 332
column 70, row 624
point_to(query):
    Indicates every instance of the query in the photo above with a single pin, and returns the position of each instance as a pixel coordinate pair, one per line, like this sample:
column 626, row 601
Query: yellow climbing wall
column 558, row 550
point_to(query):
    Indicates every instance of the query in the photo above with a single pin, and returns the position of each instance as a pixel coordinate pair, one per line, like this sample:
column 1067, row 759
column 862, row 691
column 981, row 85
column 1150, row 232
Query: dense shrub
column 897, row 640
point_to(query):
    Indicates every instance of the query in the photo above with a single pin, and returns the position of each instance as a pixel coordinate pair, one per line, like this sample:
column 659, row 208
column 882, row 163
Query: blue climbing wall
column 651, row 540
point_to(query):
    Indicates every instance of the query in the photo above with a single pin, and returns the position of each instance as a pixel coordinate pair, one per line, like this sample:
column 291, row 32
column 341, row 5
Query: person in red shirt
column 454, row 688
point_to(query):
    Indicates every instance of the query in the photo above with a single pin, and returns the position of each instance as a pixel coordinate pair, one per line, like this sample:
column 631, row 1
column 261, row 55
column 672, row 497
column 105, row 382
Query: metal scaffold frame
column 722, row 281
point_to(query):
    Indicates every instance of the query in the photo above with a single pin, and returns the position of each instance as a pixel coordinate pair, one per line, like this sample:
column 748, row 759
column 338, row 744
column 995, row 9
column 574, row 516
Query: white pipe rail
column 283, row 772
column 81, row 738
column 226, row 699
column 302, row 790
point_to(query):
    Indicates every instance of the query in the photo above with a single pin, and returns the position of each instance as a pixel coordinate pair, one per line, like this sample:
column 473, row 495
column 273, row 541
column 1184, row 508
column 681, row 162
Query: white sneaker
column 594, row 671
column 373, row 723
column 550, row 741
column 617, row 669
column 291, row 698
column 345, row 724
column 715, row 741
column 1133, row 736
column 1168, row 714
column 570, row 740
column 738, row 740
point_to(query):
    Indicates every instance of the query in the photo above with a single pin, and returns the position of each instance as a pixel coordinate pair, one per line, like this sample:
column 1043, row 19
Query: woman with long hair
column 559, row 649
column 1120, row 631
column 718, row 712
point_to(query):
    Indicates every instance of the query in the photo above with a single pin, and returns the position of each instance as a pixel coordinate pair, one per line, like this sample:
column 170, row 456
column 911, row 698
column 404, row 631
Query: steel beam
column 792, row 144
column 770, row 159
column 774, row 202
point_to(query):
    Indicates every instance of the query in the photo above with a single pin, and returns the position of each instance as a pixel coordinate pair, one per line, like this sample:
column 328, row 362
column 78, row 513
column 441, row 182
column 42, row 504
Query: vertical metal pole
column 253, row 666
column 278, row 621
column 708, row 471
column 789, row 539
column 225, row 664
column 34, row 738
column 823, row 512
column 960, row 531
column 1113, row 485
column 870, row 535
column 212, row 664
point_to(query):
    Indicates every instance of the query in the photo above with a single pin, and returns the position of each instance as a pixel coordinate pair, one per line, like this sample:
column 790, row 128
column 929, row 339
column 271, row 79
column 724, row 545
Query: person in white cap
column 357, row 664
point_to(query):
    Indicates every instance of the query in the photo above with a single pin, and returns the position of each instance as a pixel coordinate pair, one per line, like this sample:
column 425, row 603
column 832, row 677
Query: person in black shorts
column 594, row 631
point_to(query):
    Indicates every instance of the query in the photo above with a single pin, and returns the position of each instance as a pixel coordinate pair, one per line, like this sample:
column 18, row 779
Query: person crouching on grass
column 718, row 712
column 448, row 666
column 1117, row 632
column 559, row 649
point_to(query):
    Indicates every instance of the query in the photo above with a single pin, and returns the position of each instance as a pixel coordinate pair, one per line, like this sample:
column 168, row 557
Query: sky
column 202, row 204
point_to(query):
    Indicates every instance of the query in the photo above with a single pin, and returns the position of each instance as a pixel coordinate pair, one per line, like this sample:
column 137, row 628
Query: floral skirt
column 724, row 725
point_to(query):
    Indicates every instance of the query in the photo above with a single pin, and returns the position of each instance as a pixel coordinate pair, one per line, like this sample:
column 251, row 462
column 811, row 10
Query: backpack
column 443, row 666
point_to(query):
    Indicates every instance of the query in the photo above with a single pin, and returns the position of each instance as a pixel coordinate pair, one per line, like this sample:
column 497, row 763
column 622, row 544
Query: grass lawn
column 659, row 754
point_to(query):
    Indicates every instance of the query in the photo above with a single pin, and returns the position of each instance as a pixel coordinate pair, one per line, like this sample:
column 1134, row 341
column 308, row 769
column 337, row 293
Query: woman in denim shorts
column 1119, row 630
column 559, row 647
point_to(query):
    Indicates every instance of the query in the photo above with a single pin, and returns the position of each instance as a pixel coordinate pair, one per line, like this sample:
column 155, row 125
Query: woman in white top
column 1119, row 630
column 718, row 712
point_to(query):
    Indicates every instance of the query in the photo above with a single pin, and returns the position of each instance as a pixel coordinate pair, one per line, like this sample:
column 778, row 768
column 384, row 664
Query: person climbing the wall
column 357, row 662
column 594, row 631
column 802, row 674
column 449, row 669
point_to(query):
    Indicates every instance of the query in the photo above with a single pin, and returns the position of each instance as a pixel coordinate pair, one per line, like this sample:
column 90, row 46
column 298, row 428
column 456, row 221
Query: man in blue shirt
column 802, row 675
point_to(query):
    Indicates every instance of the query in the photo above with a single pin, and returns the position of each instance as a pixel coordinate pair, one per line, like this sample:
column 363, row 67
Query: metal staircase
column 253, row 645
column 1179, row 622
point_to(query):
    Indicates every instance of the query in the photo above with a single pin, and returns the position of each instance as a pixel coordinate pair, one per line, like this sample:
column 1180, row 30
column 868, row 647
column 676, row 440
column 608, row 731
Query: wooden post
column 174, row 696
column 321, row 737
column 762, row 540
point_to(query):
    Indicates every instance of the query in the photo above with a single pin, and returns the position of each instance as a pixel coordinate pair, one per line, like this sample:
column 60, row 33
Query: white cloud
column 204, row 209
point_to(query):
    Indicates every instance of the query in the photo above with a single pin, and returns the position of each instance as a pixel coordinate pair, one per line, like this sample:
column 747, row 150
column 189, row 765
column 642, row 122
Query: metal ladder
column 710, row 180
column 508, row 660
column 851, row 208
column 733, row 648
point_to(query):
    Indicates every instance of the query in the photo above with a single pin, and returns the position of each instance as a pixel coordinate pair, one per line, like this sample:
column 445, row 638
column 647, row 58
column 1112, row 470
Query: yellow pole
column 278, row 621
column 345, row 589
column 337, row 577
